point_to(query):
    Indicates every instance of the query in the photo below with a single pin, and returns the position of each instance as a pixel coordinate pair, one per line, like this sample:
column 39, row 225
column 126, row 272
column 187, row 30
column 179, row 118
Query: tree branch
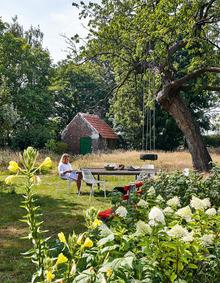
column 115, row 87
column 195, row 74
column 176, row 46
column 212, row 88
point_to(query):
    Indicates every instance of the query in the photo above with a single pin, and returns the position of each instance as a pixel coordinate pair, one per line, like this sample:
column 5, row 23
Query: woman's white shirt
column 63, row 167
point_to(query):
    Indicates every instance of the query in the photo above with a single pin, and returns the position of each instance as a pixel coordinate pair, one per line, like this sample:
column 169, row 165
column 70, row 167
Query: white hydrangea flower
column 211, row 212
column 121, row 211
column 206, row 203
column 186, row 172
column 188, row 237
column 151, row 191
column 185, row 213
column 168, row 210
column 207, row 239
column 199, row 204
column 174, row 202
column 178, row 231
column 152, row 223
column 156, row 215
column 143, row 228
column 142, row 203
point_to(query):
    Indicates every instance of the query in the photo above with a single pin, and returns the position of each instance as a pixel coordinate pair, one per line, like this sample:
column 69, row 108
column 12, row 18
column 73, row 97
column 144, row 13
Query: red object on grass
column 105, row 213
column 137, row 185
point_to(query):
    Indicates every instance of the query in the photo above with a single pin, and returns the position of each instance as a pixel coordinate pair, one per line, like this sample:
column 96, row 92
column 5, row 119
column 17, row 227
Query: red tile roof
column 101, row 127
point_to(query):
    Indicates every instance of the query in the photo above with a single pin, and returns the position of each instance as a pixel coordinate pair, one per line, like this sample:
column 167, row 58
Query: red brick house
column 88, row 133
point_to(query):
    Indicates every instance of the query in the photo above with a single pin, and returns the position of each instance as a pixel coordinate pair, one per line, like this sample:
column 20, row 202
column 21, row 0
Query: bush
column 176, row 183
column 56, row 146
column 35, row 136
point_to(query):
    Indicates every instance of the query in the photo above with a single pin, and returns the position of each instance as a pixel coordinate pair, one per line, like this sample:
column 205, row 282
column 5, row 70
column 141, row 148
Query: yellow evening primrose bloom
column 88, row 243
column 97, row 223
column 61, row 259
column 109, row 272
column 62, row 237
column 79, row 240
column 47, row 163
column 50, row 275
column 13, row 166
column 10, row 180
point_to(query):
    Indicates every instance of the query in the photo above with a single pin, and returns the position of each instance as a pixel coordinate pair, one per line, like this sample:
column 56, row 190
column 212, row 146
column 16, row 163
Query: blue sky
column 55, row 17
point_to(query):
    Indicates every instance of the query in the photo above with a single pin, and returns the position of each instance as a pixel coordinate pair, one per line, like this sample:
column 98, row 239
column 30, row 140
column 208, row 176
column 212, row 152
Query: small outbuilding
column 87, row 133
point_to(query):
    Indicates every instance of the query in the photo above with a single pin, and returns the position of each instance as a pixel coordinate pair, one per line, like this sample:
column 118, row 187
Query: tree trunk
column 172, row 102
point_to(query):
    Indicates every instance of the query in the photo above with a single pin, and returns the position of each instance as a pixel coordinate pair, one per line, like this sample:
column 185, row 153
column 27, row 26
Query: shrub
column 35, row 136
column 56, row 146
column 176, row 183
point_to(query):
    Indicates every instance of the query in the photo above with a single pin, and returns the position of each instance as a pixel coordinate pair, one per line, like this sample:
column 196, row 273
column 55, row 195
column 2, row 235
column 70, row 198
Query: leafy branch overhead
column 176, row 43
column 154, row 34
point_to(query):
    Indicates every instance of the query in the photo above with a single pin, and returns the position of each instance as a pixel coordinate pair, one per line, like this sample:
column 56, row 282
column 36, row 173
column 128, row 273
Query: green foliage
column 36, row 136
column 151, row 44
column 212, row 140
column 32, row 218
column 129, row 247
column 56, row 146
column 79, row 88
column 25, row 69
column 173, row 184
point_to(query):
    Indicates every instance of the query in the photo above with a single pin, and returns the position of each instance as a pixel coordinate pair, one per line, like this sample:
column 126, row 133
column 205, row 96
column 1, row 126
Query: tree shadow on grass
column 58, row 215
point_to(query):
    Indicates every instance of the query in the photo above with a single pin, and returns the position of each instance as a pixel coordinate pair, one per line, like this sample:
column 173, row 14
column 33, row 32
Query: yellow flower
column 61, row 237
column 61, row 259
column 79, row 240
column 109, row 272
column 10, row 180
column 47, row 163
column 96, row 223
column 88, row 243
column 50, row 275
column 13, row 166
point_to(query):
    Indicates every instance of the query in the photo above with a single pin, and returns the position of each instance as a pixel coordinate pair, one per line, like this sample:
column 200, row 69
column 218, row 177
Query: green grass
column 63, row 210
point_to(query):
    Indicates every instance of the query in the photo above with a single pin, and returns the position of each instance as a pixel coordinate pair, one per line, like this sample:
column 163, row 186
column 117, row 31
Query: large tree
column 157, row 38
column 25, row 71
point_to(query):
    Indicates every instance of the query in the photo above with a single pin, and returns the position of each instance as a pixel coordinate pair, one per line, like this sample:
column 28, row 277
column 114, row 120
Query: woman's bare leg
column 79, row 181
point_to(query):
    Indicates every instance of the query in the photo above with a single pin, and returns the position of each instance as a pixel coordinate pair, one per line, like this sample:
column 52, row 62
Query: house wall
column 74, row 131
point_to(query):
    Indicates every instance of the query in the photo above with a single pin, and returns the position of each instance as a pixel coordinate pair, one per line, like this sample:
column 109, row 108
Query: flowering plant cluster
column 26, row 172
column 149, row 239
column 185, row 185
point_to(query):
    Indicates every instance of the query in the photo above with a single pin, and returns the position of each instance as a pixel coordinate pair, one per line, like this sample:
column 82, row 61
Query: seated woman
column 67, row 173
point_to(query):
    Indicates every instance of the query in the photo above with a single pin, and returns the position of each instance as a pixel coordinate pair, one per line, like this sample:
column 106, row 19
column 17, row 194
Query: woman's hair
column 62, row 157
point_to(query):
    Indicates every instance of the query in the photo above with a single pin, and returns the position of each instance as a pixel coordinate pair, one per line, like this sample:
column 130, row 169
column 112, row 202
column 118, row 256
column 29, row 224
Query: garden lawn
column 63, row 210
